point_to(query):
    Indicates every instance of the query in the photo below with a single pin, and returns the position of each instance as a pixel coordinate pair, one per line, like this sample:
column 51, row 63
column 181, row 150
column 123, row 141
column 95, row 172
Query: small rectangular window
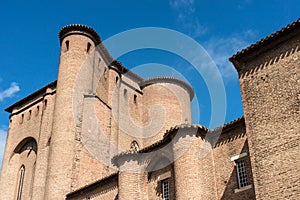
column 165, row 190
column 241, row 173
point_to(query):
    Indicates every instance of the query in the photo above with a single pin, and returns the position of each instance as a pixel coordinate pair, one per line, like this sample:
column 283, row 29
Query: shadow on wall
column 155, row 178
column 271, row 60
column 231, row 191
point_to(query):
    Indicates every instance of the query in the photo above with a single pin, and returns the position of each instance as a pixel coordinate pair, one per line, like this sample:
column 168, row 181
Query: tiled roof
column 91, row 186
column 79, row 28
column 230, row 124
column 266, row 40
column 168, row 136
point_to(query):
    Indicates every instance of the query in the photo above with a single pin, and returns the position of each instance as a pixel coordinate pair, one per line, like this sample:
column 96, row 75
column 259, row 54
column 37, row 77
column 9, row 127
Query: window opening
column 241, row 173
column 165, row 190
column 67, row 45
column 134, row 98
column 22, row 118
column 21, row 181
column 134, row 146
column 29, row 115
column 88, row 47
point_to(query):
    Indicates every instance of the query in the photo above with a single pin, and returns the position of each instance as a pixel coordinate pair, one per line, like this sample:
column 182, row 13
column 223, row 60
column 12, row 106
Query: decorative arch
column 22, row 162
column 28, row 143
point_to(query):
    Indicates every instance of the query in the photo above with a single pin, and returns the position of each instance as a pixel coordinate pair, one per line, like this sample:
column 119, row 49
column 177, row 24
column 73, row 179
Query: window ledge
column 233, row 158
column 243, row 189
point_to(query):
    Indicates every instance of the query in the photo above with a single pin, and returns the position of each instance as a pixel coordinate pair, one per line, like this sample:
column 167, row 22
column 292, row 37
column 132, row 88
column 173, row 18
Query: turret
column 74, row 79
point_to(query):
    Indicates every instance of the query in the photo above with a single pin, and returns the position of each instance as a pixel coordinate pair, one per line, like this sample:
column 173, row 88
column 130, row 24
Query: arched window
column 134, row 98
column 134, row 146
column 25, row 153
column 21, row 181
column 26, row 144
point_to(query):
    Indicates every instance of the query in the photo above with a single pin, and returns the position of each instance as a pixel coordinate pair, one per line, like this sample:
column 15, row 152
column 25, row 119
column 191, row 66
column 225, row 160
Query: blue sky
column 30, row 47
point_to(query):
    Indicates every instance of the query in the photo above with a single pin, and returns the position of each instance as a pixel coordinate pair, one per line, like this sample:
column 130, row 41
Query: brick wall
column 65, row 133
column 32, row 120
column 101, row 191
column 232, row 142
column 155, row 179
column 270, row 93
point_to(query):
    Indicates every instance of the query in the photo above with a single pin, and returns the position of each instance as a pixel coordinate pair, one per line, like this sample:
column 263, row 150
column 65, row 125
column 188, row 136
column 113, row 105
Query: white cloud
column 187, row 17
column 222, row 48
column 3, row 134
column 9, row 92
column 178, row 4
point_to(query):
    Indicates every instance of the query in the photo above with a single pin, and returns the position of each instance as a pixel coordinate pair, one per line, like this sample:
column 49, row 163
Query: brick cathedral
column 95, row 134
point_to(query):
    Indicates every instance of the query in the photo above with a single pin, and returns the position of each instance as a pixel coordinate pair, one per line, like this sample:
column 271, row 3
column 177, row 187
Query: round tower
column 77, row 42
column 169, row 98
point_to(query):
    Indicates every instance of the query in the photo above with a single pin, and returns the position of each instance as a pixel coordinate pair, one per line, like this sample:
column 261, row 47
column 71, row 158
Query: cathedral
column 101, row 131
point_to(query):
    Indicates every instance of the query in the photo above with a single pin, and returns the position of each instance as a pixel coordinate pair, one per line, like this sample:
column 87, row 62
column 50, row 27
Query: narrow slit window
column 21, row 181
column 88, row 47
column 22, row 119
column 67, row 45
column 134, row 98
column 29, row 115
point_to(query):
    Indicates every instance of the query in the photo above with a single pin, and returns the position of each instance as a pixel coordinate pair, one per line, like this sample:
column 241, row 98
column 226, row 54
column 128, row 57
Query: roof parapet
column 81, row 30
